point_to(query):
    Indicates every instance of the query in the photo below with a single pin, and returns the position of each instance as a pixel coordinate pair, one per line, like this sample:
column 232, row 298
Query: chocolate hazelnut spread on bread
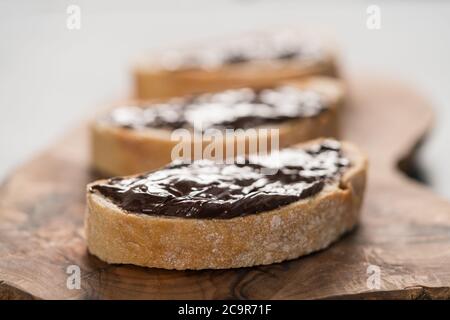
column 231, row 109
column 207, row 190
column 280, row 46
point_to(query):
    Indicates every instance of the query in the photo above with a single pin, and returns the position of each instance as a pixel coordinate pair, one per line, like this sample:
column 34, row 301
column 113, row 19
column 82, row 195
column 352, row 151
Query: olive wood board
column 404, row 229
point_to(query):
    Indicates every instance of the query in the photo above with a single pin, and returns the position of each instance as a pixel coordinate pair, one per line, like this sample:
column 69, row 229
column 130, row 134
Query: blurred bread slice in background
column 252, row 59
column 131, row 145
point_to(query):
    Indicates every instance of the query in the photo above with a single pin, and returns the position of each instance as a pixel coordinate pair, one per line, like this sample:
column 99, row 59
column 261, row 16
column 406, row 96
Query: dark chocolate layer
column 206, row 190
column 272, row 47
column 230, row 109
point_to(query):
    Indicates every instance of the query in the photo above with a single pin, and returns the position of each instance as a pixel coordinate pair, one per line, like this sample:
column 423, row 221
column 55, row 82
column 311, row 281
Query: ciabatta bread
column 258, row 59
column 287, row 232
column 118, row 150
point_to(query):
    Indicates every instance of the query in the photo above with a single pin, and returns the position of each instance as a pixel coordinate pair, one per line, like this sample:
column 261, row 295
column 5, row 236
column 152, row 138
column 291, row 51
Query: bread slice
column 121, row 151
column 288, row 232
column 158, row 76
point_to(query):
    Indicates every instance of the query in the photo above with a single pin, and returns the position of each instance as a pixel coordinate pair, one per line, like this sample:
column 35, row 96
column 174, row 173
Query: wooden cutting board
column 405, row 229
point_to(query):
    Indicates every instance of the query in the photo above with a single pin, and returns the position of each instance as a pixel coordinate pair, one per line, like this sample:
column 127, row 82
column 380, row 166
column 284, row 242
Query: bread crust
column 269, row 237
column 119, row 151
column 158, row 83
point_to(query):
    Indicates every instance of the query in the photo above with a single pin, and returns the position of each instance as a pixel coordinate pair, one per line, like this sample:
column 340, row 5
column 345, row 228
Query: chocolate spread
column 207, row 190
column 278, row 46
column 230, row 109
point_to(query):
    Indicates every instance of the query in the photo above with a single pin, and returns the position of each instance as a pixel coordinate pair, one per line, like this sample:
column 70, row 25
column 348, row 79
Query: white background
column 51, row 77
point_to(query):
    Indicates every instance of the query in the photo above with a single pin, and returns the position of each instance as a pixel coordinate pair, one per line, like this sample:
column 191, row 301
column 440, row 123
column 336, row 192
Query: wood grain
column 405, row 228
